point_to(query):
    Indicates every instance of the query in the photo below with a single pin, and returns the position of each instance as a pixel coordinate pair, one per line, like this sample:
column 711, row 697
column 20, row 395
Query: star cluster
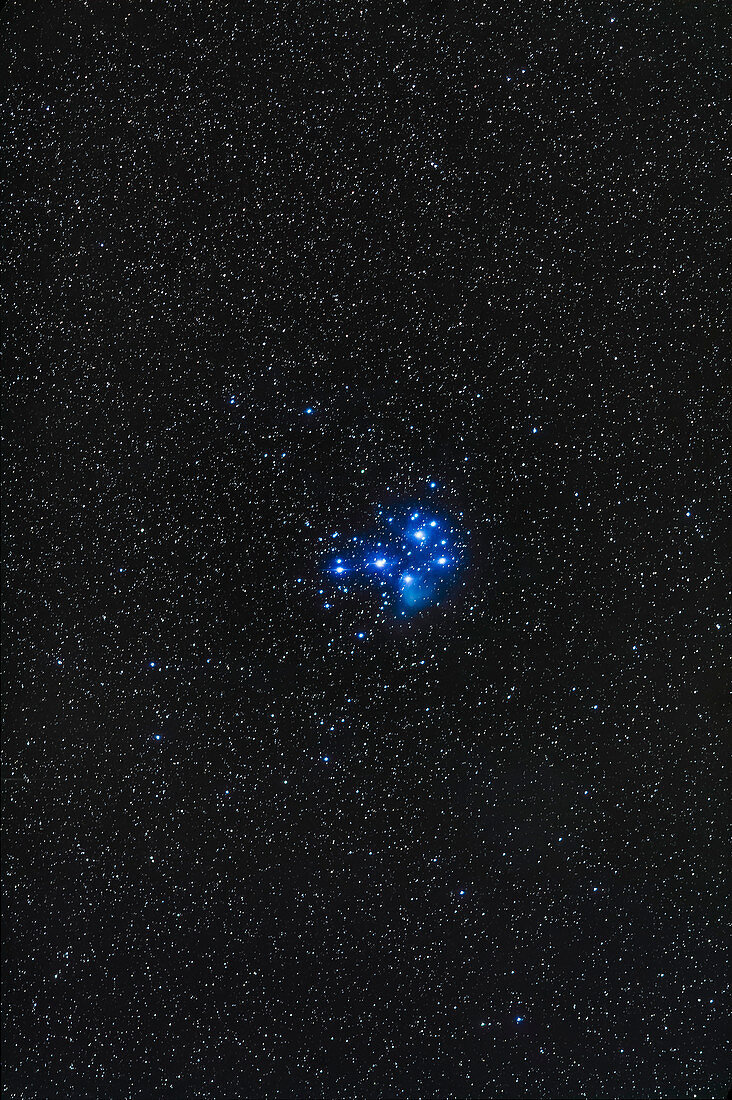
column 412, row 561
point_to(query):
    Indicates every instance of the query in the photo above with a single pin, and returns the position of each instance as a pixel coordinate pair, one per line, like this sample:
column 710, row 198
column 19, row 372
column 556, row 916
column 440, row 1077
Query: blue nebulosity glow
column 412, row 558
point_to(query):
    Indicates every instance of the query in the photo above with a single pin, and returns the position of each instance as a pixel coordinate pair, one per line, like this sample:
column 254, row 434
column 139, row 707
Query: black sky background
column 486, row 247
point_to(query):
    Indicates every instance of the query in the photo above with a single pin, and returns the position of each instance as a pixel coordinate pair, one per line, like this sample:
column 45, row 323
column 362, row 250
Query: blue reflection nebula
column 412, row 558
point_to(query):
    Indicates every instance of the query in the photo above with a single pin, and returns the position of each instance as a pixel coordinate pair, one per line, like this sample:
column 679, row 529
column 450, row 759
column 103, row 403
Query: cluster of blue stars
column 412, row 561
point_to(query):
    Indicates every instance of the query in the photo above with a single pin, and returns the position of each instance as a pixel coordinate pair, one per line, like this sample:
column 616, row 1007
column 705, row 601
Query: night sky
column 366, row 602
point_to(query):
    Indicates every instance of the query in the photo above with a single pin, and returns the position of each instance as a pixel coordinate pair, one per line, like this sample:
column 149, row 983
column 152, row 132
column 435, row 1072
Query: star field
column 437, row 298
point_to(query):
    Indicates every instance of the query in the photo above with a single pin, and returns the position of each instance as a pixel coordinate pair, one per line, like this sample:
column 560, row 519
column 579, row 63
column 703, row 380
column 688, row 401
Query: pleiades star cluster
column 366, row 611
column 411, row 559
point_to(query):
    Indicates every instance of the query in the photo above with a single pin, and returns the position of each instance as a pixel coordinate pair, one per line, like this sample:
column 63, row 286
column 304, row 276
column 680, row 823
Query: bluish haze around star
column 412, row 558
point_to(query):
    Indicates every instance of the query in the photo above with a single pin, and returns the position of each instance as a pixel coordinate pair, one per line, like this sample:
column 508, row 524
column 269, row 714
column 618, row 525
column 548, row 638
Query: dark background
column 442, row 230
